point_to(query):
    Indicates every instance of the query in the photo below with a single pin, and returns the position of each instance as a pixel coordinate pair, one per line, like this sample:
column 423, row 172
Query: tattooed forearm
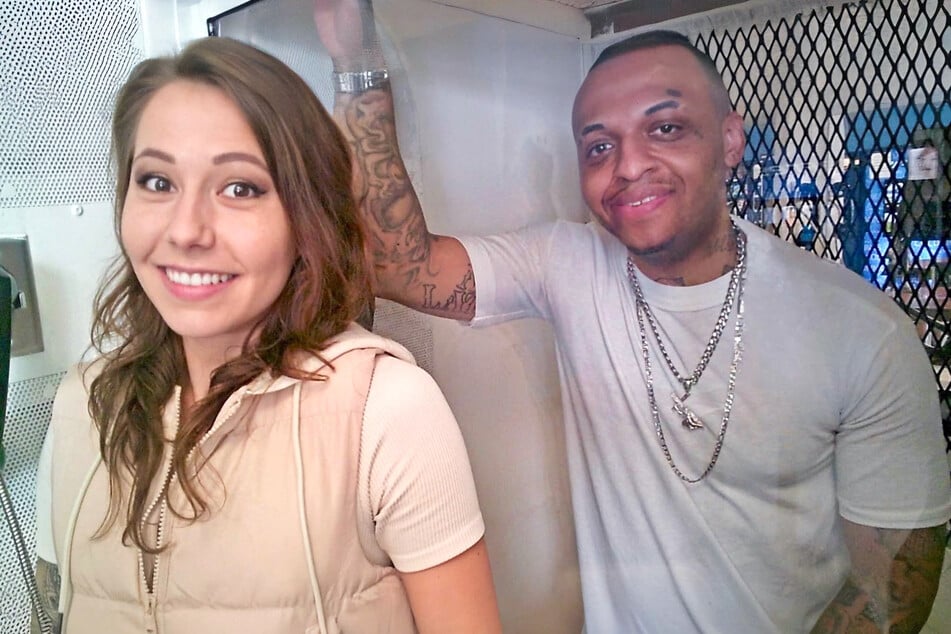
column 892, row 586
column 412, row 266
column 400, row 239
column 370, row 127
column 47, row 582
column 915, row 576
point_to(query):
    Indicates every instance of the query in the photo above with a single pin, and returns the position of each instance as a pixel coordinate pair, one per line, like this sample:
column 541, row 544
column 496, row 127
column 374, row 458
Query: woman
column 243, row 457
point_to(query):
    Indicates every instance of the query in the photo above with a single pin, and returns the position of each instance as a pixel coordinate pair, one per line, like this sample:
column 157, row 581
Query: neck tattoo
column 689, row 420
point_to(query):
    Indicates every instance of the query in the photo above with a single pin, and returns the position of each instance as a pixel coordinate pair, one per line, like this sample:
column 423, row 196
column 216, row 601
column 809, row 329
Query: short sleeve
column 509, row 271
column 419, row 492
column 891, row 466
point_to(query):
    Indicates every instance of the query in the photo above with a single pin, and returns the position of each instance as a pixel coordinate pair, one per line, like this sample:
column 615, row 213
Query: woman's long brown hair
column 141, row 358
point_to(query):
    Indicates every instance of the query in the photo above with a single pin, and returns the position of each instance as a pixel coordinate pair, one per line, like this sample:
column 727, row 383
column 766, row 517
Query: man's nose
column 633, row 160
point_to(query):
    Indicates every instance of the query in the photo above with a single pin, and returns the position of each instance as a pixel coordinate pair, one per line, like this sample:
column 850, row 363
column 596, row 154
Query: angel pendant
column 687, row 418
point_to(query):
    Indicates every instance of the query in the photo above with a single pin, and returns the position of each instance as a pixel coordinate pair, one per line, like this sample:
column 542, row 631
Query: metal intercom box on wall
column 27, row 335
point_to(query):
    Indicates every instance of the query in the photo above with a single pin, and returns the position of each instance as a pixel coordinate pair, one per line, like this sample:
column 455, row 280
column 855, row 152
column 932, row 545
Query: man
column 753, row 433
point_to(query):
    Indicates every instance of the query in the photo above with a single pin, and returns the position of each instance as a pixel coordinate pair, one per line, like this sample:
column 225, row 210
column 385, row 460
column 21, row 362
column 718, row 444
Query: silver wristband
column 360, row 81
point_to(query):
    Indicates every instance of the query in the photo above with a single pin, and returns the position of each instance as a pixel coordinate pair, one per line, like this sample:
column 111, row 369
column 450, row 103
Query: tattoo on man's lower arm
column 896, row 604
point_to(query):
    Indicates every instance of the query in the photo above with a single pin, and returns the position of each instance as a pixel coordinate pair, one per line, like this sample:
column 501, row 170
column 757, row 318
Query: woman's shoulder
column 339, row 350
column 70, row 415
column 356, row 337
column 407, row 413
column 75, row 381
column 395, row 379
column 393, row 384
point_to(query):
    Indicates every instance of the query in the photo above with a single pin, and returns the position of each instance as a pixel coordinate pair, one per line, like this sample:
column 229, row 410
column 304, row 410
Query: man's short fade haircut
column 662, row 37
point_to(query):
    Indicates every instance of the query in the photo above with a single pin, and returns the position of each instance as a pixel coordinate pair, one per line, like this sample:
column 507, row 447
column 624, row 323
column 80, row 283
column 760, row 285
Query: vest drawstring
column 65, row 583
column 302, row 512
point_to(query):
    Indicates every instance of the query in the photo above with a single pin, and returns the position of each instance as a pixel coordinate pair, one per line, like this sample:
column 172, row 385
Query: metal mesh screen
column 60, row 64
column 849, row 152
column 29, row 410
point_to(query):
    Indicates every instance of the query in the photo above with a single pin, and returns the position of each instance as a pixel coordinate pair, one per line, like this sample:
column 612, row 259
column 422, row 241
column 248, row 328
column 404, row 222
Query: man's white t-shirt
column 835, row 413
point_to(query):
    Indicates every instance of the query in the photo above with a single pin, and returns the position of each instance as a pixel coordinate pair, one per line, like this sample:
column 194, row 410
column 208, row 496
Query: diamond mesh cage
column 849, row 151
column 60, row 64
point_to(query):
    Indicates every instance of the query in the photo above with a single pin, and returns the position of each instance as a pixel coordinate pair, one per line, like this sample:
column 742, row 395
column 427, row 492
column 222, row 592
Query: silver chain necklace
column 734, row 297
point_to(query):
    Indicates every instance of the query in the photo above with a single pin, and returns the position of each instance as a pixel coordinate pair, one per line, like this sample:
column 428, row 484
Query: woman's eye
column 241, row 190
column 155, row 183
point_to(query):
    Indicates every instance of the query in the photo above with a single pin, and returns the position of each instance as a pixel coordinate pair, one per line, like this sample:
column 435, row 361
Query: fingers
column 340, row 27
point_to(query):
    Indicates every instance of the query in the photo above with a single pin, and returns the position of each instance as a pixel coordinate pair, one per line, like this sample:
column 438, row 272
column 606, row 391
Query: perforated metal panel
column 60, row 64
column 30, row 405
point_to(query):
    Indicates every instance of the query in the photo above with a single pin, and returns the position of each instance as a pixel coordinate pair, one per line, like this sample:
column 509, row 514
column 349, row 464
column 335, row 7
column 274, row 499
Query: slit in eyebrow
column 670, row 103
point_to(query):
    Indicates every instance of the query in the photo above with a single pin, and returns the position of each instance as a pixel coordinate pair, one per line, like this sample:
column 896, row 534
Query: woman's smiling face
column 202, row 224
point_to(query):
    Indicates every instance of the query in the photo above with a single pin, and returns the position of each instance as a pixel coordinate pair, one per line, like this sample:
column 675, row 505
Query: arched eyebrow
column 162, row 156
column 229, row 157
column 663, row 105
column 669, row 103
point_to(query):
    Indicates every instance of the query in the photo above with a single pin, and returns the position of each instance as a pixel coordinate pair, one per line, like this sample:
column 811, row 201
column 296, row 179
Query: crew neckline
column 682, row 298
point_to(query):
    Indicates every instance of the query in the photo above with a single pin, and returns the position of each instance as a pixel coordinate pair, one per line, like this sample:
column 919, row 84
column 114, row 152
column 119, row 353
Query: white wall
column 492, row 105
column 70, row 248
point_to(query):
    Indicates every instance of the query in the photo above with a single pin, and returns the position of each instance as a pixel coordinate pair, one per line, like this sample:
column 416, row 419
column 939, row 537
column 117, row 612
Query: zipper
column 234, row 401
column 150, row 625
column 161, row 499
column 148, row 582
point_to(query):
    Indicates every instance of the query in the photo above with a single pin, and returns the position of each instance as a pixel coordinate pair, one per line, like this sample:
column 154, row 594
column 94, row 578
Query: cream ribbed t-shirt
column 417, row 499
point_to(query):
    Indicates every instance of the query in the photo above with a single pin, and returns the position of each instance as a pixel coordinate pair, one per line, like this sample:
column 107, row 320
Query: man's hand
column 347, row 30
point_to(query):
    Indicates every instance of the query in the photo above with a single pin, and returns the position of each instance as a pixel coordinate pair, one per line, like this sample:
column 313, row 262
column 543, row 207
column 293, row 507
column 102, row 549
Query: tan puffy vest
column 244, row 567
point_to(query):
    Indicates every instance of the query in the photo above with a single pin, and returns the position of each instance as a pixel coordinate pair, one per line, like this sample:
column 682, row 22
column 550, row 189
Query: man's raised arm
column 427, row 272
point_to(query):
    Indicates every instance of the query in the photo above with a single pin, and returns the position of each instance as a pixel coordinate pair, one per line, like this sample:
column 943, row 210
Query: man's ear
column 734, row 139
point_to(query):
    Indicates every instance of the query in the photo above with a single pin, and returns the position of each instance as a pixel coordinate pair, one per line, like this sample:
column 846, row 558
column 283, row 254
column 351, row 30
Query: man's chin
column 639, row 246
column 647, row 251
column 651, row 247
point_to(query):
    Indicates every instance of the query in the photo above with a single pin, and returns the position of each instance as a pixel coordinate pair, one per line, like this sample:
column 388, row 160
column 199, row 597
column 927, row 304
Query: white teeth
column 642, row 201
column 197, row 279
